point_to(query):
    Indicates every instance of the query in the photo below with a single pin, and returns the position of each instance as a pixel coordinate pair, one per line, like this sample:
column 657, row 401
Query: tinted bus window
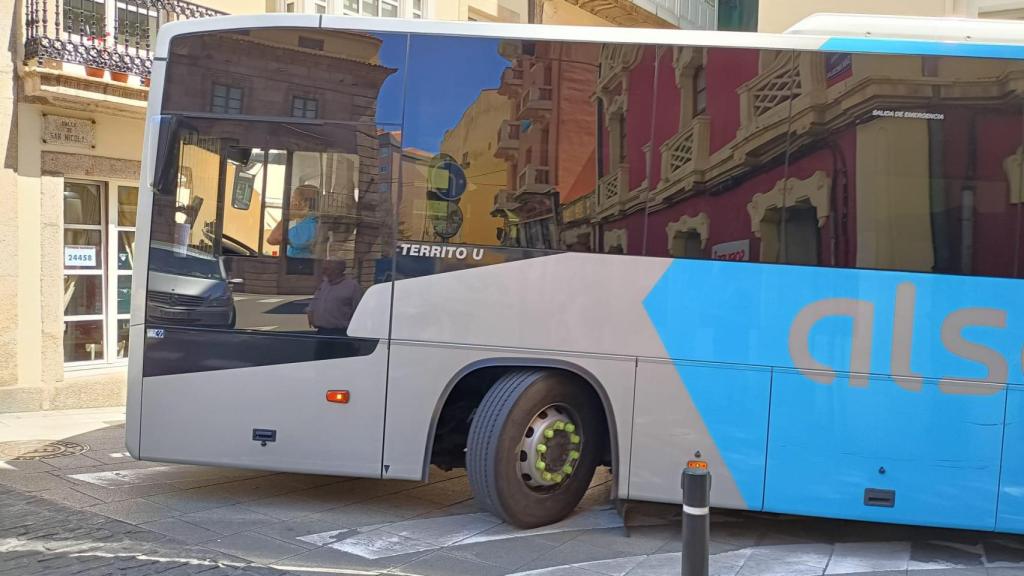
column 506, row 153
column 273, row 212
column 851, row 160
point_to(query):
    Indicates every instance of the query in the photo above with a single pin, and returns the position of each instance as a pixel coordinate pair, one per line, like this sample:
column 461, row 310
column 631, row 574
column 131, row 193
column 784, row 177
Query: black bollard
column 696, row 485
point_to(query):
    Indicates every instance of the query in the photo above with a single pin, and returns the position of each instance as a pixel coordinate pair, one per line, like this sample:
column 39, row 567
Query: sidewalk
column 57, row 424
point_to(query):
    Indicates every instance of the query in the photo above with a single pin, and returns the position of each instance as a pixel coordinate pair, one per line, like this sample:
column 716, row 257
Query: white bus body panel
column 207, row 416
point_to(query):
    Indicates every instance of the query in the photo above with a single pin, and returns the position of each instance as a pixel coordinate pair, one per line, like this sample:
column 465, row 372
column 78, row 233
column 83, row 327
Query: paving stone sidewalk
column 88, row 508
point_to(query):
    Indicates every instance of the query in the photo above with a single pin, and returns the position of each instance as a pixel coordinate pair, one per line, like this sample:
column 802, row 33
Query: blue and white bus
column 532, row 251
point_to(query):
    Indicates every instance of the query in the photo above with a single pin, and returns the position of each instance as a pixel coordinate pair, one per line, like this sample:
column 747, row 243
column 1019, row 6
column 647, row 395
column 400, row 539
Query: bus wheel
column 533, row 445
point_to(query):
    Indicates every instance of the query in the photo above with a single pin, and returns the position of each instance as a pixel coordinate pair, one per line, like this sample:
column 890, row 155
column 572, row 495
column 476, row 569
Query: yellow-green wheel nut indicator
column 559, row 425
column 542, row 448
column 549, row 433
column 548, row 476
column 574, row 439
column 570, row 428
column 573, row 454
column 558, row 478
column 541, row 465
column 567, row 468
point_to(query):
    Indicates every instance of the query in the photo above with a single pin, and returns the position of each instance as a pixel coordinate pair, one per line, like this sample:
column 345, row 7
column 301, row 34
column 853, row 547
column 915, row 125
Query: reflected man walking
column 333, row 304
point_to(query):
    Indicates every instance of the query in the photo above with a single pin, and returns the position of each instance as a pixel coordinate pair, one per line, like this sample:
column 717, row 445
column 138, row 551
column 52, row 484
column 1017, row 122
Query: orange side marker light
column 337, row 396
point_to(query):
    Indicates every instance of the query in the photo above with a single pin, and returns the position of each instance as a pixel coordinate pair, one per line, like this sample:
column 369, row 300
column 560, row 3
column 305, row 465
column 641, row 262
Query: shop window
column 99, row 228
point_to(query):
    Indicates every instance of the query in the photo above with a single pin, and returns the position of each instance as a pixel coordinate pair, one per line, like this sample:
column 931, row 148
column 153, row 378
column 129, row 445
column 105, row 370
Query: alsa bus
column 531, row 251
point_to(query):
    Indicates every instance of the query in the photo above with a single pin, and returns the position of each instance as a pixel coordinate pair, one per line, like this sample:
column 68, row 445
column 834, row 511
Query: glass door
column 83, row 258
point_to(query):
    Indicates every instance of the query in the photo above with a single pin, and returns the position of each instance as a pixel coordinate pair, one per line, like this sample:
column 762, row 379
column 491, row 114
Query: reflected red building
column 829, row 159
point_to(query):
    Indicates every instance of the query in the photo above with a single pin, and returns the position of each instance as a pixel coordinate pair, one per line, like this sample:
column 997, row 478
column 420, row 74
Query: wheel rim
column 551, row 448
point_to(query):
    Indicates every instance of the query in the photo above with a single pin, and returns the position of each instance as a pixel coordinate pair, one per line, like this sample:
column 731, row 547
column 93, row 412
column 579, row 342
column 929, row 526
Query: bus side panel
column 210, row 417
column 935, row 454
column 421, row 376
column 714, row 413
column 1011, row 483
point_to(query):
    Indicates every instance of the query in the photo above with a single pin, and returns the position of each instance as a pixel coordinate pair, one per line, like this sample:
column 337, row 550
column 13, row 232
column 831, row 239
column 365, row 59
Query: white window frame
column 114, row 273
column 108, row 272
column 102, row 228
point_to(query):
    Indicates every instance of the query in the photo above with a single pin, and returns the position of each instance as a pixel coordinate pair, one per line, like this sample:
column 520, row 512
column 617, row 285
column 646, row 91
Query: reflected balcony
column 504, row 201
column 534, row 179
column 684, row 157
column 508, row 139
column 535, row 103
column 511, row 81
column 613, row 188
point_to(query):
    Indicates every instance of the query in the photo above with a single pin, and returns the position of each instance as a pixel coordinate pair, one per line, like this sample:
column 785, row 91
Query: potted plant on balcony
column 95, row 71
column 119, row 76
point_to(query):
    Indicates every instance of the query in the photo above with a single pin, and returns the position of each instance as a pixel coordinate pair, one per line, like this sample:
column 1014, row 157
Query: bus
column 533, row 251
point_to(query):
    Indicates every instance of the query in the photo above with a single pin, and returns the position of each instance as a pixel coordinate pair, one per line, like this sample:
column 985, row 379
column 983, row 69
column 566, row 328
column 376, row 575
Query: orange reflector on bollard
column 697, row 464
column 337, row 396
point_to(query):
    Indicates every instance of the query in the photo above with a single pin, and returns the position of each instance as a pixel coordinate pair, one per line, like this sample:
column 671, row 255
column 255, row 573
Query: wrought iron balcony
column 101, row 36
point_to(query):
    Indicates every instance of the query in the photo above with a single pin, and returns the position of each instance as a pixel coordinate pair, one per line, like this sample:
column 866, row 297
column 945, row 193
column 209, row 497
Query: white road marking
column 118, row 454
column 6, row 466
column 117, row 478
column 264, row 328
column 434, row 533
column 270, row 300
column 853, row 557
column 588, row 520
column 151, row 475
column 321, row 539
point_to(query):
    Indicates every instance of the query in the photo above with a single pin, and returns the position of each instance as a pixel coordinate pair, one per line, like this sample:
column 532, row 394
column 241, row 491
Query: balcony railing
column 687, row 151
column 535, row 101
column 613, row 188
column 797, row 78
column 117, row 38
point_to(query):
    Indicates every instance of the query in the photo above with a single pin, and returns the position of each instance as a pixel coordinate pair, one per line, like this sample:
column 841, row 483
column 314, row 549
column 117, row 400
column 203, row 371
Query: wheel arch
column 519, row 362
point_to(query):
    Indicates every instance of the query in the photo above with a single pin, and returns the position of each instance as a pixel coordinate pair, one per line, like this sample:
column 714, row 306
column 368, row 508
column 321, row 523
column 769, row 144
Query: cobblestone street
column 87, row 508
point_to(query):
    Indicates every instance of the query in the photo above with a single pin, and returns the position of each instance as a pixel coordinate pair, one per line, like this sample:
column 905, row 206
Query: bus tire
column 503, row 426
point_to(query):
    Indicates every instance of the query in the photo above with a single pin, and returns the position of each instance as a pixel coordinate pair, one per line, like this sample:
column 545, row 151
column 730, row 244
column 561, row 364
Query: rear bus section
column 265, row 316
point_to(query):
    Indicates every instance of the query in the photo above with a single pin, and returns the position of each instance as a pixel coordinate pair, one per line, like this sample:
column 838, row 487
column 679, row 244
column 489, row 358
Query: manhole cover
column 39, row 449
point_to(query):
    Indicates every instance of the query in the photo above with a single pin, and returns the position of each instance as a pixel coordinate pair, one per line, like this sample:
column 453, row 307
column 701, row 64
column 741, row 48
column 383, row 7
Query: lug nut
column 549, row 433
column 570, row 428
column 542, row 448
column 541, row 465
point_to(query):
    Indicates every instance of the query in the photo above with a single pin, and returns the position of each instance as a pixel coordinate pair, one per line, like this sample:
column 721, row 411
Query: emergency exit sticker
column 79, row 256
